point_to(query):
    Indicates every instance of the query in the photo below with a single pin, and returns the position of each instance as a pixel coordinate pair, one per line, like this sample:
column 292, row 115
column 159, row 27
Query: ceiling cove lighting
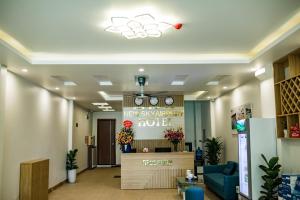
column 108, row 97
column 100, row 104
column 105, row 83
column 140, row 26
column 104, row 107
column 109, row 110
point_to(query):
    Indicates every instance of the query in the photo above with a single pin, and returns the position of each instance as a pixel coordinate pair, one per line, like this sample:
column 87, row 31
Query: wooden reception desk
column 154, row 170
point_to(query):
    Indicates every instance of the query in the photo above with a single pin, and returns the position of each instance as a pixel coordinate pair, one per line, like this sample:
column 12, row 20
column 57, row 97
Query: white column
column 70, row 124
column 3, row 72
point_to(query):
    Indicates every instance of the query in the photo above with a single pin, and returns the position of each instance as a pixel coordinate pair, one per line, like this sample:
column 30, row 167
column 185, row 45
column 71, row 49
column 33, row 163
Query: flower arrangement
column 126, row 134
column 174, row 135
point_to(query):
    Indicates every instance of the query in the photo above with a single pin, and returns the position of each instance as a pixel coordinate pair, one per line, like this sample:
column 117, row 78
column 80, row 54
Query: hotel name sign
column 157, row 162
column 154, row 117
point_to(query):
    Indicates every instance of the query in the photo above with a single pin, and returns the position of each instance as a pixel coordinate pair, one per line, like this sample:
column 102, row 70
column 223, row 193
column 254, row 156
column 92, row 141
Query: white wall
column 248, row 93
column 36, row 127
column 261, row 94
column 3, row 73
column 79, row 133
column 109, row 115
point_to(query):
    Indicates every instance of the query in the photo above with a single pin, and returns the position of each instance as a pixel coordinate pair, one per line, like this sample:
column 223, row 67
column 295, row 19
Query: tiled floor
column 99, row 184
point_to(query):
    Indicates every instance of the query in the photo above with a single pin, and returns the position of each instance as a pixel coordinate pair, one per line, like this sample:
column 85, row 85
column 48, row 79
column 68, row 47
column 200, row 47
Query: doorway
column 106, row 142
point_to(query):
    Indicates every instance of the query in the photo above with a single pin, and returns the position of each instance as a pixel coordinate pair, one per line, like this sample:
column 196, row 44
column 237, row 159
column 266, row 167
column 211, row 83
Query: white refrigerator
column 256, row 136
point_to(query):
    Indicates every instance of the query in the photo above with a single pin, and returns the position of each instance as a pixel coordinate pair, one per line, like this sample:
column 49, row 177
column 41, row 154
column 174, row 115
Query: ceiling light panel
column 212, row 83
column 140, row 26
column 260, row 71
column 179, row 80
column 105, row 83
column 177, row 83
column 69, row 83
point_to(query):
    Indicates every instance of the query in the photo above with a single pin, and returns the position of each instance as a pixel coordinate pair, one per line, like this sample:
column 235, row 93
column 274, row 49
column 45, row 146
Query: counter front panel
column 154, row 170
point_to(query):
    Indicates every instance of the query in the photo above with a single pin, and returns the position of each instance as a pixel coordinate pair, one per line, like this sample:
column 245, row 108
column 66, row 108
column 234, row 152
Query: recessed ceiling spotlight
column 69, row 83
column 212, row 83
column 141, row 70
column 140, row 26
column 177, row 83
column 100, row 104
column 225, row 87
column 25, row 70
column 208, row 97
column 57, row 88
column 72, row 98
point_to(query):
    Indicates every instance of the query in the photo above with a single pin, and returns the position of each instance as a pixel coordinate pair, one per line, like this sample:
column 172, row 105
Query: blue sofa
column 223, row 185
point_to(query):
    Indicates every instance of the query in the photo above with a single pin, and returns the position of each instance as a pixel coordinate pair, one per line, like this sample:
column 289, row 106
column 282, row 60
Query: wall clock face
column 169, row 101
column 138, row 101
column 153, row 101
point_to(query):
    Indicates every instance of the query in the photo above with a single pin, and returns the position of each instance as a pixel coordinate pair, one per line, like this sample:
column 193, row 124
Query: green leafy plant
column 271, row 178
column 213, row 148
column 71, row 160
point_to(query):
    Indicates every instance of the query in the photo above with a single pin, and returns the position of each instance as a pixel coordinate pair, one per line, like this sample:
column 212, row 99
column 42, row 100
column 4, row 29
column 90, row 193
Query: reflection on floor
column 99, row 184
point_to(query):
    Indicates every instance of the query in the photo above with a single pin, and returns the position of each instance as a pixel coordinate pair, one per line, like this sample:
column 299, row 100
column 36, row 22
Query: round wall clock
column 138, row 101
column 169, row 101
column 153, row 101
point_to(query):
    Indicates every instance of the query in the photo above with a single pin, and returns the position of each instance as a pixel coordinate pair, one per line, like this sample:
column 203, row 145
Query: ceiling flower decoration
column 141, row 26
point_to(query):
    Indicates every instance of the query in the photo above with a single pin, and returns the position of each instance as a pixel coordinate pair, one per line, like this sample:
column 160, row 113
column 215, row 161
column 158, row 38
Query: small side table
column 183, row 184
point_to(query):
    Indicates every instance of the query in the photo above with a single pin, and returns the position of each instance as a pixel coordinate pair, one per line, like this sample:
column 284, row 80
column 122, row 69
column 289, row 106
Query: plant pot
column 285, row 132
column 72, row 176
column 126, row 148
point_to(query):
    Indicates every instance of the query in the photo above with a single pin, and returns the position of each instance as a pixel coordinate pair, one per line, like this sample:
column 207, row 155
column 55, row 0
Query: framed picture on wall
column 238, row 113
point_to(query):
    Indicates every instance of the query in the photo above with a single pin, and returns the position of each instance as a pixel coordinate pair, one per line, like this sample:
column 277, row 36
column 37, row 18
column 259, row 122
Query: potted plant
column 125, row 137
column 175, row 136
column 213, row 148
column 71, row 165
column 271, row 178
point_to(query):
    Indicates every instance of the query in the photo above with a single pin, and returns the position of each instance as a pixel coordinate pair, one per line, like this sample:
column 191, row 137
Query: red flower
column 174, row 135
column 127, row 123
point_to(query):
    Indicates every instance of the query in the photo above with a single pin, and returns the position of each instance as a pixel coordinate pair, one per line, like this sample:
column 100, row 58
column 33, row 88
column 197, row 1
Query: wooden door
column 106, row 142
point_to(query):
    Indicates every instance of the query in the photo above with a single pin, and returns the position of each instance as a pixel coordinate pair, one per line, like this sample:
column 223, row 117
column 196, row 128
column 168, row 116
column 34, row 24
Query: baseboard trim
column 64, row 181
column 57, row 186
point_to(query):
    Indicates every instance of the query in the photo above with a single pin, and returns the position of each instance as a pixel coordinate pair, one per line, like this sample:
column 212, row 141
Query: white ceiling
column 71, row 27
column 210, row 26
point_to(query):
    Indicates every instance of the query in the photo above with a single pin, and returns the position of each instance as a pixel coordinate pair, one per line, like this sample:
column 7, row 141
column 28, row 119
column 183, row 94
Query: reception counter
column 154, row 170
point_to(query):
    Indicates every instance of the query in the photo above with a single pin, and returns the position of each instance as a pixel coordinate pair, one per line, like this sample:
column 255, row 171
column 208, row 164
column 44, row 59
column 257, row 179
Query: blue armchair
column 221, row 184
